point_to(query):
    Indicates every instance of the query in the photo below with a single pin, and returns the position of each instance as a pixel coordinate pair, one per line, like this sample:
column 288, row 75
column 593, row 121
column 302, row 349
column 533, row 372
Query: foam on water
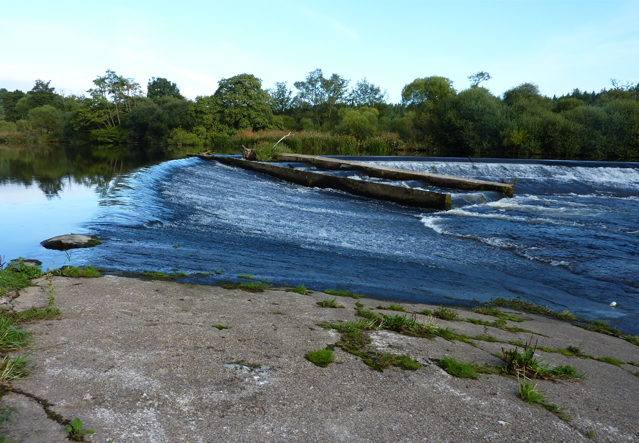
column 560, row 240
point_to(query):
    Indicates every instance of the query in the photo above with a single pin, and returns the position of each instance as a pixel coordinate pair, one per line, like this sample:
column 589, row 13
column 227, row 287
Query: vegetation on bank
column 325, row 115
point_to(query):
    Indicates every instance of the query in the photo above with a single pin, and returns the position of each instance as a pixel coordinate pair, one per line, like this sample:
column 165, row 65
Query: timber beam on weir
column 380, row 191
column 445, row 181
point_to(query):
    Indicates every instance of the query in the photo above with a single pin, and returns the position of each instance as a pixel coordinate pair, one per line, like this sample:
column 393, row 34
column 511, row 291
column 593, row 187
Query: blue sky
column 559, row 45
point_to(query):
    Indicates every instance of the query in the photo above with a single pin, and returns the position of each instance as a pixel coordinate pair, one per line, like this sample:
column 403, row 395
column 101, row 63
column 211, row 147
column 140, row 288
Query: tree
column 471, row 123
column 115, row 93
column 158, row 88
column 282, row 98
column 42, row 94
column 322, row 96
column 476, row 79
column 360, row 123
column 424, row 96
column 9, row 102
column 427, row 93
column 46, row 118
column 242, row 103
column 366, row 94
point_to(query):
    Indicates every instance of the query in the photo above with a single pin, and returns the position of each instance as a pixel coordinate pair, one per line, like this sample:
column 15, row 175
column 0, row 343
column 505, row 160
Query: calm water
column 569, row 238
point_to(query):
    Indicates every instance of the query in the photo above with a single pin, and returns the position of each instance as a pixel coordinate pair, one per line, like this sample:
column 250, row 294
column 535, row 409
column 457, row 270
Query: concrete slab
column 143, row 361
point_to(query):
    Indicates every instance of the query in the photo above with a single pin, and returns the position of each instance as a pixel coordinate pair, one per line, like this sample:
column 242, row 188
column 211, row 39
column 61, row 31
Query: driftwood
column 249, row 154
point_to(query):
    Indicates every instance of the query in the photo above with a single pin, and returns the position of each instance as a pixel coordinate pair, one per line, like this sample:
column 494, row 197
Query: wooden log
column 446, row 181
column 381, row 191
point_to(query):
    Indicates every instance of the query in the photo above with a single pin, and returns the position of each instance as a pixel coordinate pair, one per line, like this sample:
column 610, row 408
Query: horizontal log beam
column 446, row 181
column 381, row 191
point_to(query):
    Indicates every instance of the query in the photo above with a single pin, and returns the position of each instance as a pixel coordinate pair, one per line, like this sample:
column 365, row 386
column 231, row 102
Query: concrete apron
column 142, row 361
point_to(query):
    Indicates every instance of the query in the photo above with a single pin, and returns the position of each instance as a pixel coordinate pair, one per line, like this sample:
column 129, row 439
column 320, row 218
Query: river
column 568, row 239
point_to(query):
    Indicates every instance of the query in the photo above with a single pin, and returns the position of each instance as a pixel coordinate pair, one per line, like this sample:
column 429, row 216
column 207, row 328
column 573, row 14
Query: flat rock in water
column 71, row 241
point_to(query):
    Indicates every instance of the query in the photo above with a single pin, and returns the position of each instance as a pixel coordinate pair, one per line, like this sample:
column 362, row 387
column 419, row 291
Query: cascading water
column 569, row 238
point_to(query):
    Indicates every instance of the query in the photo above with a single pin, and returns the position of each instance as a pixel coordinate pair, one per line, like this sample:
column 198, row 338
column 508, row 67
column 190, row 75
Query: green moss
column 532, row 308
column 320, row 357
column 301, row 289
column 220, row 327
column 609, row 360
column 446, row 313
column 249, row 287
column 76, row 272
column 458, row 369
column 329, row 303
column 343, row 293
column 393, row 307
column 246, row 276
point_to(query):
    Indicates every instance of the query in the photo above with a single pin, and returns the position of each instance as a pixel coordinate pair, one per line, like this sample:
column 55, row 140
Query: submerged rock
column 71, row 241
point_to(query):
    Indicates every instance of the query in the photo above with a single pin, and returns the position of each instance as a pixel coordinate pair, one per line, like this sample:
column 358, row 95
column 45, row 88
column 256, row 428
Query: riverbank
column 157, row 361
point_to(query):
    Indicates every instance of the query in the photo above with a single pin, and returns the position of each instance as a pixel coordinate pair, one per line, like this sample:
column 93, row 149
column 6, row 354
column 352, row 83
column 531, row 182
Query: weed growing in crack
column 220, row 327
column 527, row 365
column 494, row 312
column 321, row 357
column 393, row 307
column 445, row 313
column 531, row 308
column 76, row 433
column 529, row 393
column 343, row 293
column 329, row 303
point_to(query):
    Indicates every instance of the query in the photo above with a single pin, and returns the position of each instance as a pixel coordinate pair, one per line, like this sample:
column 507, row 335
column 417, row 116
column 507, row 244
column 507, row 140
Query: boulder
column 71, row 241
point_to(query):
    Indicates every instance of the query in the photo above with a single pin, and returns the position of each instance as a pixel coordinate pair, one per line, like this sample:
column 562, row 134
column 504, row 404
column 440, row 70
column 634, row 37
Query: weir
column 446, row 181
column 381, row 191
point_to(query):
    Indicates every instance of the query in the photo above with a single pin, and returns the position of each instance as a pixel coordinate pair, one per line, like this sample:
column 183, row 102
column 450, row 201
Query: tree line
column 327, row 114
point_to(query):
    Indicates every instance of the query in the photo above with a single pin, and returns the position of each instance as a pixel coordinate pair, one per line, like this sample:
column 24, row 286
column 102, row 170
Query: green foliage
column 159, row 88
column 321, row 357
column 220, row 327
column 343, row 293
column 76, row 433
column 17, row 275
column 360, row 123
column 241, row 102
column 246, row 276
column 266, row 153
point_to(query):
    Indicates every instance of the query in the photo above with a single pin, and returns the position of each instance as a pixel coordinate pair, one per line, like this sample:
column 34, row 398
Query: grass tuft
column 13, row 368
column 220, row 327
column 301, row 289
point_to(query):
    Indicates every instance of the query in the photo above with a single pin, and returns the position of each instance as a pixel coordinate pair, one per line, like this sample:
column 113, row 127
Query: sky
column 559, row 45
